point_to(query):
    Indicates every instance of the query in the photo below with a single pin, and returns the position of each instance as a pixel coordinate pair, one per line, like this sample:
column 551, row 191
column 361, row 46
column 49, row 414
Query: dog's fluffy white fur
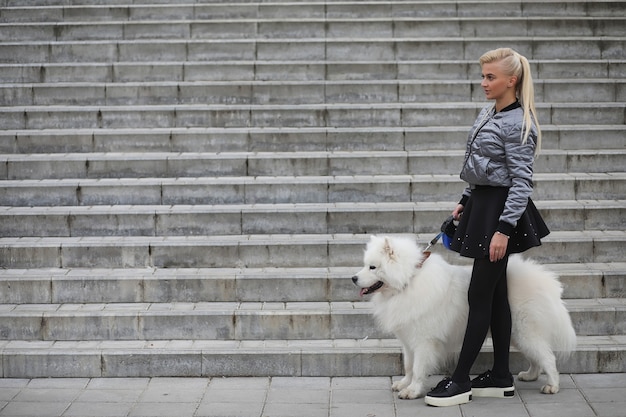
column 422, row 300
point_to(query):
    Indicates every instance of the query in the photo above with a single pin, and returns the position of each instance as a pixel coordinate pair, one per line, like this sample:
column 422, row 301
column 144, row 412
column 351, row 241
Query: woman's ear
column 512, row 82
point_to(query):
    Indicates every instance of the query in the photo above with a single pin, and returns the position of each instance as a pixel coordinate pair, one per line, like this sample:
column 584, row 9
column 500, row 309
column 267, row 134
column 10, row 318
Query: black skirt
column 480, row 220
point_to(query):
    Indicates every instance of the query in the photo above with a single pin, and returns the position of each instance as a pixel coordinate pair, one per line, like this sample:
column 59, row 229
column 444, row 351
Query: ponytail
column 515, row 64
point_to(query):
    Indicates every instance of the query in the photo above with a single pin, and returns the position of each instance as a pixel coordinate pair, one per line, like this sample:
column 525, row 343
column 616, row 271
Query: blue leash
column 432, row 242
column 448, row 228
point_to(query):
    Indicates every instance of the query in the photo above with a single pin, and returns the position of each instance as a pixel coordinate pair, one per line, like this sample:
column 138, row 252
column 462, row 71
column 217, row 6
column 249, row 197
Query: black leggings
column 488, row 307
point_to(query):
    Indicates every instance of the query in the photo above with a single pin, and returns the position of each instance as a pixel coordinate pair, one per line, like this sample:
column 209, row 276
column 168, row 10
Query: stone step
column 190, row 71
column 240, row 321
column 328, row 218
column 259, row 251
column 266, row 257
column 304, row 115
column 311, row 27
column 93, row 11
column 278, row 139
column 196, row 285
column 295, row 92
column 356, row 49
column 344, row 357
column 256, row 164
column 289, row 189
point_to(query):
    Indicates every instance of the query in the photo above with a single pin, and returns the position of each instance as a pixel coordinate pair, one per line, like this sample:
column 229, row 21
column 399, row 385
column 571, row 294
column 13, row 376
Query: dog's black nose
column 355, row 279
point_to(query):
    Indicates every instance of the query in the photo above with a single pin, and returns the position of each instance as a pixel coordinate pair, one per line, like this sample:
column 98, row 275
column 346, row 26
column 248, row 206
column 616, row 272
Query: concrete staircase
column 186, row 188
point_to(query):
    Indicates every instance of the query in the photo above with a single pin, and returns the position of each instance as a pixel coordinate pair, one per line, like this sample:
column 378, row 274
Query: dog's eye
column 372, row 267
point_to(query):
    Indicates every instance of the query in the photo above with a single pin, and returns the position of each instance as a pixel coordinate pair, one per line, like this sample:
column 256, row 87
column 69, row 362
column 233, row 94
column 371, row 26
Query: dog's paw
column 409, row 394
column 401, row 384
column 549, row 389
column 527, row 376
column 397, row 386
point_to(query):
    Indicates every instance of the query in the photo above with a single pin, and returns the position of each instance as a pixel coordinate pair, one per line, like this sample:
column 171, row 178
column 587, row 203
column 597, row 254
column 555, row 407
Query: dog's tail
column 563, row 333
column 540, row 290
column 564, row 336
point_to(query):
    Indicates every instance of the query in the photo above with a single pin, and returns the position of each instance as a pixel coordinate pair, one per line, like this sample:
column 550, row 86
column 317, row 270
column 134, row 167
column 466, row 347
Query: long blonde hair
column 515, row 64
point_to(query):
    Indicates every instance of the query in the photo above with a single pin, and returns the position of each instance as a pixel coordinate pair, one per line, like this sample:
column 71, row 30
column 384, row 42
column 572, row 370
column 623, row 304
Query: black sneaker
column 488, row 385
column 448, row 392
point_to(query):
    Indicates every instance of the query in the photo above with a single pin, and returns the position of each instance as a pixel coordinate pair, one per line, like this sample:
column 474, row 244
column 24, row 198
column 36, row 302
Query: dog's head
column 390, row 263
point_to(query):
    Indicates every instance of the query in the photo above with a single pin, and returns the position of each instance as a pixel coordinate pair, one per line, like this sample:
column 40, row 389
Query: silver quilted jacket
column 496, row 156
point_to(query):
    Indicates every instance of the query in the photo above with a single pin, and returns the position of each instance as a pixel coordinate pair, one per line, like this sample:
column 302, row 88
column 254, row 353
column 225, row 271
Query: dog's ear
column 387, row 249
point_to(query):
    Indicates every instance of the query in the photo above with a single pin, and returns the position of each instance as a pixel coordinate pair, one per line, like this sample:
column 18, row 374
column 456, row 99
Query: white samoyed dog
column 422, row 300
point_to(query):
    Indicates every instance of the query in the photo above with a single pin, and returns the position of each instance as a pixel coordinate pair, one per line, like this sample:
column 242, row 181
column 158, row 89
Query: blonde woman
column 496, row 218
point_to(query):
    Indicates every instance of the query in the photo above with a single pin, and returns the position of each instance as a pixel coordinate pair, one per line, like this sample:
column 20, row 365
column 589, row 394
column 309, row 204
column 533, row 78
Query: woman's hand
column 497, row 247
column 456, row 213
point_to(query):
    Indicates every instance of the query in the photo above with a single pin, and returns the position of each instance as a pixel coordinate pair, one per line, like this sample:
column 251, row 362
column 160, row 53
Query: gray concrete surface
column 581, row 395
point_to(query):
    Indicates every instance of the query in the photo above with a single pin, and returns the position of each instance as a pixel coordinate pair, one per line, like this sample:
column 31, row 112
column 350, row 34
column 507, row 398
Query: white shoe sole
column 508, row 392
column 448, row 401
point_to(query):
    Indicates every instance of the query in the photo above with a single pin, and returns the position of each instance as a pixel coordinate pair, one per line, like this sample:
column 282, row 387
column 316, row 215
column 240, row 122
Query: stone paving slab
column 582, row 395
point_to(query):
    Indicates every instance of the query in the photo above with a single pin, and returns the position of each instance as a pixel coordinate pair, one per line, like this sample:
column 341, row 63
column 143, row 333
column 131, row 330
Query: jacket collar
column 512, row 106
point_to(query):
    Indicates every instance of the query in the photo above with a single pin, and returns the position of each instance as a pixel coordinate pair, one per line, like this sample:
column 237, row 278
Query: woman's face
column 495, row 83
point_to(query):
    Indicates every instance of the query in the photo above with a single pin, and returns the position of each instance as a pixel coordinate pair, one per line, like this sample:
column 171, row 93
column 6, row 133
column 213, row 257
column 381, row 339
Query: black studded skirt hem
column 480, row 220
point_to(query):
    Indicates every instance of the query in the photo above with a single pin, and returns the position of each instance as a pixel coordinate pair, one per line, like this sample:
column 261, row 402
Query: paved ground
column 580, row 396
